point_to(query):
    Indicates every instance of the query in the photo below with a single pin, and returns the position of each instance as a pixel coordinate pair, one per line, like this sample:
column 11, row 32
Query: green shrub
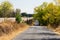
column 18, row 18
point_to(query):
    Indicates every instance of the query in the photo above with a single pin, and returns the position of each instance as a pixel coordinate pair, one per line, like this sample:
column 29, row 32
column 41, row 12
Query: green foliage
column 49, row 14
column 6, row 9
column 39, row 13
column 24, row 14
column 18, row 16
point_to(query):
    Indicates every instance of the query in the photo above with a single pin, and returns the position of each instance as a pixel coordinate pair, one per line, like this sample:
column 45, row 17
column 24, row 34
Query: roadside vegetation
column 9, row 29
column 48, row 14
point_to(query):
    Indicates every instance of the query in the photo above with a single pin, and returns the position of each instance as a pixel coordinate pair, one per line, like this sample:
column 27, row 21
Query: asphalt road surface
column 37, row 33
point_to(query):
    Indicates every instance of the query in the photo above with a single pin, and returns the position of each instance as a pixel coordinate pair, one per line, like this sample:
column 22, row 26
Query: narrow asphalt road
column 37, row 33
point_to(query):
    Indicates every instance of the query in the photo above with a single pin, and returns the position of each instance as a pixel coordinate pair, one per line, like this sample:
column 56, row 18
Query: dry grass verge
column 9, row 30
column 56, row 30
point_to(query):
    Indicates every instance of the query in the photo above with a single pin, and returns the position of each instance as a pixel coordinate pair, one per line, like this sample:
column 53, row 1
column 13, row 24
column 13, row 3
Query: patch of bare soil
column 9, row 30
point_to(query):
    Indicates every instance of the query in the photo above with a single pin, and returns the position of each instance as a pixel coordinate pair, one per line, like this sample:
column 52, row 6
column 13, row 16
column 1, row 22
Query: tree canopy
column 6, row 9
column 49, row 14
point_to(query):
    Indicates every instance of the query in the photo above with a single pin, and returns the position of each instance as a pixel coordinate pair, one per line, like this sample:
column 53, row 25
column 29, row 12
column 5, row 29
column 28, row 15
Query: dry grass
column 56, row 30
column 9, row 30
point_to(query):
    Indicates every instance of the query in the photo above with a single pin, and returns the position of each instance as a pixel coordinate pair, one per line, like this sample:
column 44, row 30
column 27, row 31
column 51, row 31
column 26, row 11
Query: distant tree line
column 26, row 15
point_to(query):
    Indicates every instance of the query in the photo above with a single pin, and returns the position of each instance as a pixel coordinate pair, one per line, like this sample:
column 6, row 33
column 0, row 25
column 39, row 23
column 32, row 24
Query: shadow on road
column 40, row 33
column 43, row 39
column 51, row 39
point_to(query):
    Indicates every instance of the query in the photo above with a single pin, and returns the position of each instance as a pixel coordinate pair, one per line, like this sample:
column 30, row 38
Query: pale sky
column 27, row 5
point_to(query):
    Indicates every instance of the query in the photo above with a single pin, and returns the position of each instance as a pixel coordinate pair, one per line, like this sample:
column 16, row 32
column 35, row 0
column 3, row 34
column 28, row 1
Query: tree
column 5, row 9
column 54, row 18
column 53, row 13
column 1, row 11
column 24, row 14
column 18, row 16
column 39, row 12
column 49, row 14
